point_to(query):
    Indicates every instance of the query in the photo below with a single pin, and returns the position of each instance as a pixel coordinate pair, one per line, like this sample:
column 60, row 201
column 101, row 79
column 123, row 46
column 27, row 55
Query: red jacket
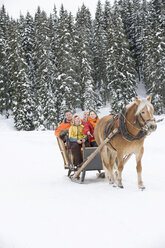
column 89, row 126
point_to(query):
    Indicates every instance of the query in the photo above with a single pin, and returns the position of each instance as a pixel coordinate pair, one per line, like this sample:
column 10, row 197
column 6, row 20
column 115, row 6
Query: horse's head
column 144, row 115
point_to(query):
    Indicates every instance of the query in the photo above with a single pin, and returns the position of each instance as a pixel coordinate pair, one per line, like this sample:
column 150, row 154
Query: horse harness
column 122, row 128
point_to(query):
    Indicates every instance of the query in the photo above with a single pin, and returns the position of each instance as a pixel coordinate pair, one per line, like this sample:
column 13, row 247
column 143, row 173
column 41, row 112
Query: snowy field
column 41, row 208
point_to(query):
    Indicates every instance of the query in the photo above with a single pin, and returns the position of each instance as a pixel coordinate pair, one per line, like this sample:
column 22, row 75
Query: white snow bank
column 6, row 124
column 40, row 207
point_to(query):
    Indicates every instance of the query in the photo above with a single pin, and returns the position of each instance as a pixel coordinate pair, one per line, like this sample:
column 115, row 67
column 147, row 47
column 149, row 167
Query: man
column 66, row 123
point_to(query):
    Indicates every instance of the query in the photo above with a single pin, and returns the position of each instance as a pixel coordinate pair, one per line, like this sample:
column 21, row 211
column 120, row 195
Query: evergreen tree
column 84, row 37
column 22, row 101
column 67, row 85
column 5, row 101
column 154, row 59
column 99, row 49
column 121, row 73
column 53, row 27
column 51, row 64
column 107, row 15
column 28, row 40
column 131, row 12
column 44, row 71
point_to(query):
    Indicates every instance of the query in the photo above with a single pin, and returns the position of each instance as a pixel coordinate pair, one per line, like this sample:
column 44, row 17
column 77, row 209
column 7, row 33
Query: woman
column 85, row 117
column 90, row 126
column 77, row 138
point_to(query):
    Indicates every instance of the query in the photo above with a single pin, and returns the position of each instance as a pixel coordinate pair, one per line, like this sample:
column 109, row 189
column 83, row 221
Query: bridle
column 143, row 126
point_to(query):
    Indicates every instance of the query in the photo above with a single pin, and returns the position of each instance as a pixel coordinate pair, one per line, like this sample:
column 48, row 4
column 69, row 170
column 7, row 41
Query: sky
column 15, row 7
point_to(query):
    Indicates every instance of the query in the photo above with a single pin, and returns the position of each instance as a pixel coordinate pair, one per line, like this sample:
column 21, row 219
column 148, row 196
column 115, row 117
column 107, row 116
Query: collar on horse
column 122, row 128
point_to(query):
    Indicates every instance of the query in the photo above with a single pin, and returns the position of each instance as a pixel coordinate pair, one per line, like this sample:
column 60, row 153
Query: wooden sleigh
column 94, row 164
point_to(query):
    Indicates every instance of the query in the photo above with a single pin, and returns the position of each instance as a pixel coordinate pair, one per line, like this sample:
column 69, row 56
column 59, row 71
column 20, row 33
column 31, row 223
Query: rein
column 109, row 128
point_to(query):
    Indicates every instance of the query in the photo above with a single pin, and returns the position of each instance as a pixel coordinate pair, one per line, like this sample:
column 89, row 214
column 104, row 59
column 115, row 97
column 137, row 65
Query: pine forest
column 52, row 63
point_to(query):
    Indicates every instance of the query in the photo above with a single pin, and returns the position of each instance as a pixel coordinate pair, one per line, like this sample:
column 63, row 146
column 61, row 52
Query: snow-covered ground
column 41, row 208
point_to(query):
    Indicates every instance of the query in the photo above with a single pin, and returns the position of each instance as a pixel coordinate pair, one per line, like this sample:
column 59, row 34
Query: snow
column 6, row 124
column 40, row 207
column 141, row 91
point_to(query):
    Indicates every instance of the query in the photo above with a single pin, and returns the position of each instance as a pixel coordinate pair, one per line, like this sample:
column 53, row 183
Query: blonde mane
column 143, row 103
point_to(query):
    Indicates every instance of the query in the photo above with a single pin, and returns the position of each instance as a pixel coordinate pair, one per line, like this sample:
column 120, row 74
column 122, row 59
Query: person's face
column 92, row 115
column 85, row 116
column 68, row 116
column 77, row 121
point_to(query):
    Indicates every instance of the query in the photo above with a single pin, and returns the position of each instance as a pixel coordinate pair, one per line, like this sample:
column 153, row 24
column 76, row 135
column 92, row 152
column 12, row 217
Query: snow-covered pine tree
column 84, row 37
column 53, row 34
column 22, row 101
column 159, row 11
column 131, row 12
column 53, row 27
column 107, row 15
column 154, row 60
column 121, row 73
column 137, row 36
column 5, row 101
column 67, row 93
column 27, row 33
column 99, row 49
column 88, row 96
column 44, row 72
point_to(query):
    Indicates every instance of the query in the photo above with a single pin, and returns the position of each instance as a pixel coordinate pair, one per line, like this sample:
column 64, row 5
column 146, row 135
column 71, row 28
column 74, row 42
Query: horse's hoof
column 121, row 186
column 101, row 175
column 142, row 188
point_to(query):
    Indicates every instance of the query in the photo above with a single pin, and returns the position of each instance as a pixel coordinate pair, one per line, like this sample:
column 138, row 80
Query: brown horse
column 133, row 124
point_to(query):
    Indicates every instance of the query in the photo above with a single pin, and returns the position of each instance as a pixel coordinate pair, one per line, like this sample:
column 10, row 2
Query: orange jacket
column 62, row 126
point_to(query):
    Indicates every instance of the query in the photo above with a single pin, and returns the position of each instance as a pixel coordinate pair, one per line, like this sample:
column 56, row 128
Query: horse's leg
column 108, row 164
column 105, row 160
column 120, row 169
column 113, row 167
column 139, row 168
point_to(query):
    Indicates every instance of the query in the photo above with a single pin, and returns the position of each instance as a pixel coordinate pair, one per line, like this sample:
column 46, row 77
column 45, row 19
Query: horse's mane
column 143, row 103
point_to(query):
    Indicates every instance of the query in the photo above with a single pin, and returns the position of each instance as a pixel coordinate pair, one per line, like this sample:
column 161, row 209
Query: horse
column 132, row 125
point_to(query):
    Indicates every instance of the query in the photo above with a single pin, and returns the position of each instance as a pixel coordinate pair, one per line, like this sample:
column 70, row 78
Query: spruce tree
column 22, row 101
column 5, row 101
column 154, row 59
column 107, row 15
column 99, row 49
column 121, row 73
column 84, row 37
column 131, row 12
column 28, row 41
column 44, row 71
column 53, row 27
column 67, row 85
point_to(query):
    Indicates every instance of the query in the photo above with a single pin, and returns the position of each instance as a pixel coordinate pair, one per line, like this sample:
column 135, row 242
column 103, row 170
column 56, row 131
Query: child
column 77, row 138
